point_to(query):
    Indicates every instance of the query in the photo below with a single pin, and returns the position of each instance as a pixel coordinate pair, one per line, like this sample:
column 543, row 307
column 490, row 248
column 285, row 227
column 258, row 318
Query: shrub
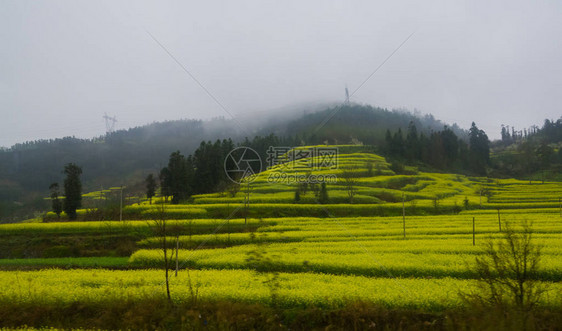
column 507, row 270
column 397, row 167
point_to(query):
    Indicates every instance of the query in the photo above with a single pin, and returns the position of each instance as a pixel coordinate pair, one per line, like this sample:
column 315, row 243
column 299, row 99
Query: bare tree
column 350, row 179
column 176, row 230
column 161, row 231
column 508, row 273
column 484, row 191
column 263, row 262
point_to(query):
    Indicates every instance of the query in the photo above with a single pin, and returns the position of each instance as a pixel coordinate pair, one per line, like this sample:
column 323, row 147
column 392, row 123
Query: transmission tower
column 346, row 102
column 109, row 123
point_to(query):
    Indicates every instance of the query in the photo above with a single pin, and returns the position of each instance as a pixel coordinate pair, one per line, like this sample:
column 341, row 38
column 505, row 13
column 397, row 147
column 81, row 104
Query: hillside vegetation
column 393, row 240
column 125, row 157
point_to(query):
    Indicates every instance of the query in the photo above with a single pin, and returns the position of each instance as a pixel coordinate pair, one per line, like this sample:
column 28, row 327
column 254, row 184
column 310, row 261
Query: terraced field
column 403, row 240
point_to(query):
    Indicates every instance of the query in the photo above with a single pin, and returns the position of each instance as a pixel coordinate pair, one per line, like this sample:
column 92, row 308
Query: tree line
column 442, row 150
column 203, row 171
column 198, row 173
column 360, row 123
column 72, row 199
column 536, row 152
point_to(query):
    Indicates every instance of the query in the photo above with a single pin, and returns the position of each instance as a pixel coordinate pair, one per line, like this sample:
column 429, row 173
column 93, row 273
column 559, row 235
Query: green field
column 294, row 254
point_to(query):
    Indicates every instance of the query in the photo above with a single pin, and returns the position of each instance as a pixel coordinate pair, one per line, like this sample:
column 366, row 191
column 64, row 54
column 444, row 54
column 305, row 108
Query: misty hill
column 361, row 123
column 127, row 156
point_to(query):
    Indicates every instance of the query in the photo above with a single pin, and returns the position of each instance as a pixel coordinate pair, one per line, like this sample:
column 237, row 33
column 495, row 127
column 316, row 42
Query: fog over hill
column 126, row 156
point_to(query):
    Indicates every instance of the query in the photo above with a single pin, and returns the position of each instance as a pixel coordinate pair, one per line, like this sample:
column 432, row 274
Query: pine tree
column 55, row 201
column 479, row 149
column 150, row 187
column 165, row 183
column 398, row 144
column 72, row 190
column 450, row 146
column 388, row 143
column 323, row 198
column 412, row 143
column 178, row 177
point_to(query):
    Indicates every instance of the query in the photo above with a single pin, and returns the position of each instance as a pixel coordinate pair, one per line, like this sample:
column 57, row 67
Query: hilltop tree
column 436, row 151
column 506, row 137
column 388, row 142
column 150, row 187
column 208, row 165
column 450, row 145
column 479, row 149
column 544, row 154
column 202, row 172
column 463, row 153
column 179, row 181
column 441, row 149
column 56, row 203
column 165, row 183
column 424, row 148
column 398, row 143
column 72, row 190
column 412, row 143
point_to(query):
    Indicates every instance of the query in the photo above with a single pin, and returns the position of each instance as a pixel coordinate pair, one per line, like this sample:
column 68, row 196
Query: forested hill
column 529, row 153
column 126, row 156
column 359, row 122
column 122, row 157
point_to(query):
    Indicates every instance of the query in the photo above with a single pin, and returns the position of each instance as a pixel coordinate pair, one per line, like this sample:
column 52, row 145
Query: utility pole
column 473, row 232
column 121, row 205
column 247, row 203
column 177, row 250
column 499, row 220
column 101, row 203
column 228, row 229
column 480, row 198
column 403, row 215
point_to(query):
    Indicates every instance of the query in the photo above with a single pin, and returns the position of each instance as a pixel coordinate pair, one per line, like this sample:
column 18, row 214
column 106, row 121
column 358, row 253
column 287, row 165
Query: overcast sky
column 63, row 64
